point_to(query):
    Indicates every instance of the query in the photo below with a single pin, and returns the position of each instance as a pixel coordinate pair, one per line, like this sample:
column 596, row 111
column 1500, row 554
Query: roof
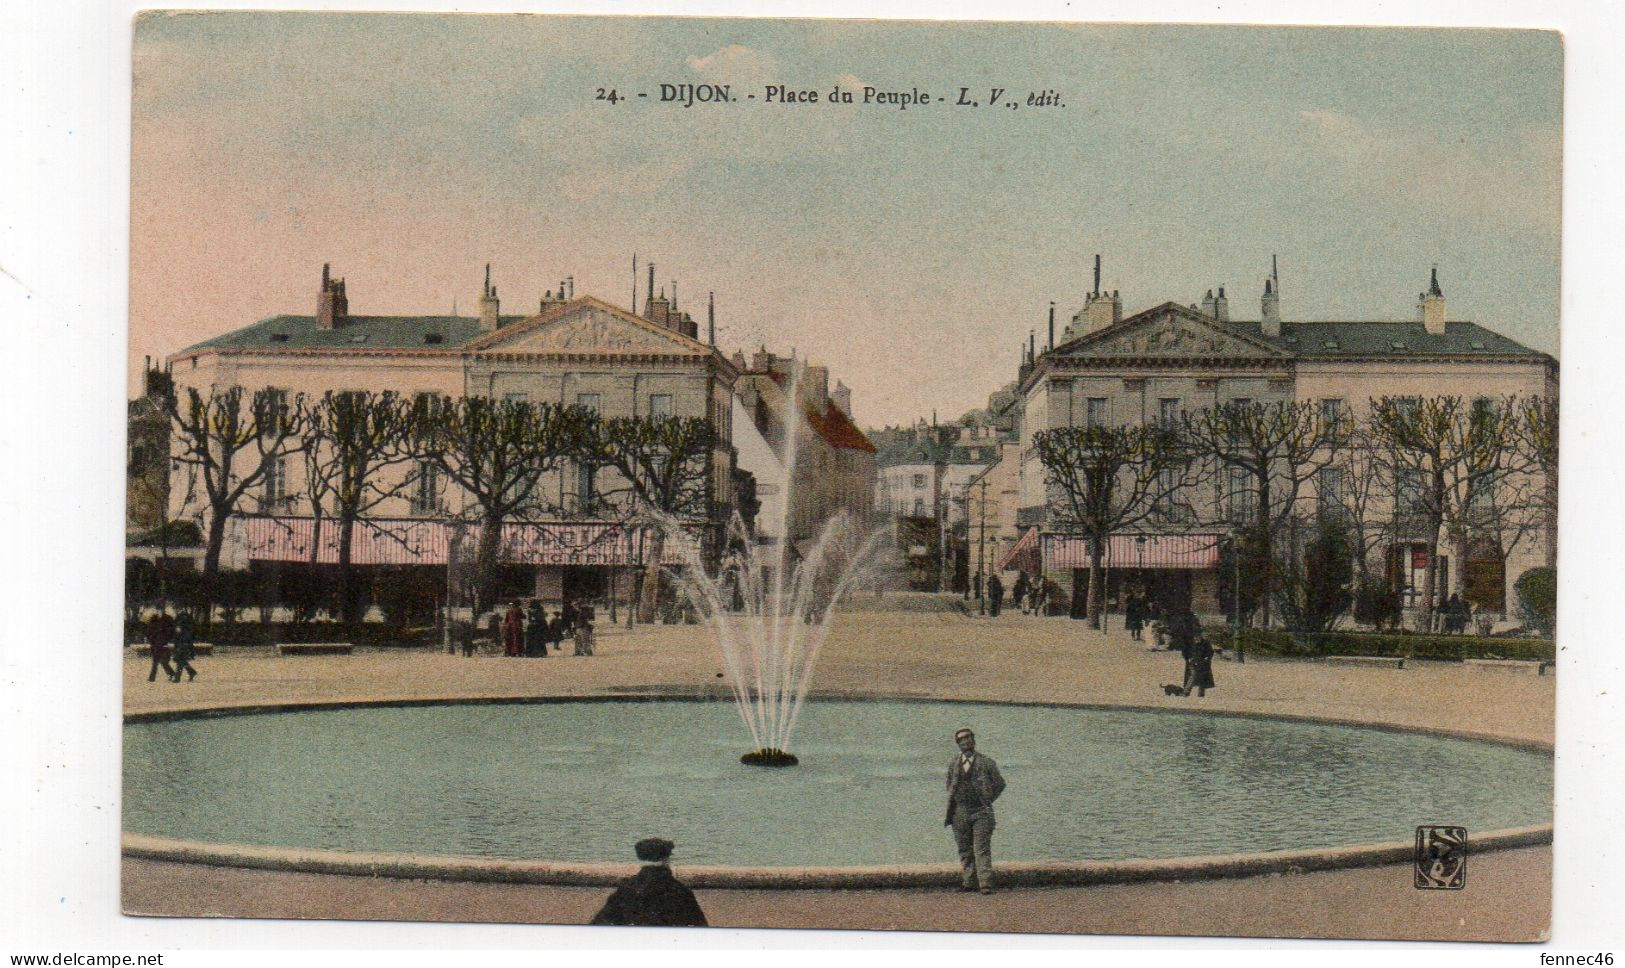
column 837, row 428
column 1342, row 339
column 358, row 332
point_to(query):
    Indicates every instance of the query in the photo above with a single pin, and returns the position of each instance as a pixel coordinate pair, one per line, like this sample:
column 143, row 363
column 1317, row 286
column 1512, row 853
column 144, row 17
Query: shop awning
column 409, row 541
column 1129, row 551
column 1023, row 555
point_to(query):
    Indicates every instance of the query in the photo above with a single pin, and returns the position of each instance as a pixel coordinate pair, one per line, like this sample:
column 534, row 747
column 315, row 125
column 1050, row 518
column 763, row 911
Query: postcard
column 998, row 477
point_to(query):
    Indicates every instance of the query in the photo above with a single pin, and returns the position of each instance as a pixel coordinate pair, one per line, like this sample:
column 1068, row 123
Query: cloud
column 1514, row 183
column 736, row 64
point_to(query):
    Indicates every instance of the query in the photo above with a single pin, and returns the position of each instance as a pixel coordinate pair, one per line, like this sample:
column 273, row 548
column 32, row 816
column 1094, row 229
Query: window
column 1408, row 406
column 274, row 490
column 919, row 507
column 919, row 480
column 1098, row 413
column 590, row 401
column 586, row 486
column 1407, row 491
column 1329, row 494
column 426, row 490
column 1166, row 506
column 1331, row 411
column 1240, row 500
column 516, row 398
column 659, row 405
column 1168, row 411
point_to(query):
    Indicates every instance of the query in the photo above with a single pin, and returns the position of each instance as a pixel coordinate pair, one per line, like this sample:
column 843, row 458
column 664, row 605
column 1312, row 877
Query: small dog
column 1173, row 690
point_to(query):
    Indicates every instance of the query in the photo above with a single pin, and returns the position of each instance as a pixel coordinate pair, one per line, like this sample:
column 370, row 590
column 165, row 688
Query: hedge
column 1452, row 648
column 374, row 634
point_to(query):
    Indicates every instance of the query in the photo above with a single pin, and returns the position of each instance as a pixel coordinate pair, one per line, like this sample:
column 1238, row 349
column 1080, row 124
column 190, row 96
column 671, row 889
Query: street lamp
column 1235, row 597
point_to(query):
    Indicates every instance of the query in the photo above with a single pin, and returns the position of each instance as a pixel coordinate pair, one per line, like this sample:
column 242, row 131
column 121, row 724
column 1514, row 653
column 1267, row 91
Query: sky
column 912, row 250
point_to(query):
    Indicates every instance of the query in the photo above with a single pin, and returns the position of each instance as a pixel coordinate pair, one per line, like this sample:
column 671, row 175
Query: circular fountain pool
column 580, row 781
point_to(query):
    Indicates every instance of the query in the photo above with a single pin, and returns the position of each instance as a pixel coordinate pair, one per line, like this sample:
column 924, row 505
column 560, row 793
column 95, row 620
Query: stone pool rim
column 449, row 867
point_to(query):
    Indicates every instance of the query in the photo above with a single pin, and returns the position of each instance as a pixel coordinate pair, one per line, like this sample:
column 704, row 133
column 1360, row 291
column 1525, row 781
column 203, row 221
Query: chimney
column 1270, row 321
column 711, row 318
column 1209, row 308
column 1433, row 306
column 1221, row 307
column 1052, row 324
column 843, row 398
column 332, row 306
column 488, row 304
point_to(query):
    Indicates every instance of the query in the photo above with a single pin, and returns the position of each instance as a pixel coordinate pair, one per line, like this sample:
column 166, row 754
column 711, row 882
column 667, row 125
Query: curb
column 1031, row 874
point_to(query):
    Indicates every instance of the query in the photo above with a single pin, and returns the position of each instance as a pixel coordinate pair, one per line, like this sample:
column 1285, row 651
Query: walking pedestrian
column 1197, row 651
column 974, row 783
column 513, row 627
column 1134, row 616
column 1018, row 594
column 160, row 630
column 995, row 595
column 185, row 647
column 535, row 630
column 584, row 630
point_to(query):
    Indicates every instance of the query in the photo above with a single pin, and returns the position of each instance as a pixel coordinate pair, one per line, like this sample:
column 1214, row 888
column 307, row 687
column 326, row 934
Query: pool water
column 581, row 781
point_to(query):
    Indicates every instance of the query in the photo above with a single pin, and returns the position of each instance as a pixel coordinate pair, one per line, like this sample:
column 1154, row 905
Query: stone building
column 834, row 462
column 570, row 350
column 1171, row 359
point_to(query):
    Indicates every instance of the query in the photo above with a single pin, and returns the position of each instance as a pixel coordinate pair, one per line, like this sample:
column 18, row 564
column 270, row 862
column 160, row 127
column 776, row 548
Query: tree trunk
column 651, row 581
column 486, row 554
column 1097, row 591
column 346, row 576
column 1266, row 547
column 211, row 563
column 1430, row 579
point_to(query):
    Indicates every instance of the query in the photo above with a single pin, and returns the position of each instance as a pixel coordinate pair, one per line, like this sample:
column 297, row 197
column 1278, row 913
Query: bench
column 314, row 648
column 198, row 648
column 1380, row 661
column 1526, row 666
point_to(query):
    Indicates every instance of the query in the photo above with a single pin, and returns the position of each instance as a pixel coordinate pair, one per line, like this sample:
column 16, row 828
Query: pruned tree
column 662, row 474
column 1458, row 456
column 351, row 438
column 1316, row 580
column 1104, row 479
column 1270, row 451
column 1538, row 440
column 231, row 441
column 497, row 452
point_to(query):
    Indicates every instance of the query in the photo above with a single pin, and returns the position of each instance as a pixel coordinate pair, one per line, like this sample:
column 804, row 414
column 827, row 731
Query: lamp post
column 1235, row 597
column 981, row 552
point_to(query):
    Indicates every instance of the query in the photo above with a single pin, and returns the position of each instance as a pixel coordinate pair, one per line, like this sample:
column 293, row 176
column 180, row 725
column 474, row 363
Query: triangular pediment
column 1167, row 331
column 587, row 326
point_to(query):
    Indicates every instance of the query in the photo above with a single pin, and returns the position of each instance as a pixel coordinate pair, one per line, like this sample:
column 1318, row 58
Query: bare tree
column 662, row 471
column 1538, row 440
column 1104, row 479
column 497, row 452
column 233, row 443
column 351, row 438
column 1275, row 449
column 1458, row 456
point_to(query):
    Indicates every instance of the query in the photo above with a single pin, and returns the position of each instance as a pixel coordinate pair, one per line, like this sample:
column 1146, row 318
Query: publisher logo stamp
column 1441, row 858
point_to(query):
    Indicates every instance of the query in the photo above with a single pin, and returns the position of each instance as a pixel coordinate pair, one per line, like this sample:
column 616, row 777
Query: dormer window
column 359, row 338
column 1477, row 344
column 433, row 338
column 1397, row 346
column 279, row 337
column 1333, row 345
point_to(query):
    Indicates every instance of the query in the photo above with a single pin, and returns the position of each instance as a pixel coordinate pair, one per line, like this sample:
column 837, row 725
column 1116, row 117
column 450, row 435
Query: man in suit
column 652, row 896
column 973, row 784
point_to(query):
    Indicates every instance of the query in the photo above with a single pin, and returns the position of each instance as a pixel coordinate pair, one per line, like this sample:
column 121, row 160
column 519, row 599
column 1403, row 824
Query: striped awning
column 408, row 541
column 1023, row 555
column 1128, row 551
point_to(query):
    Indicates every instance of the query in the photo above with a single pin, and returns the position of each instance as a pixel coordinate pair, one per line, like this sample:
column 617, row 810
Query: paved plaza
column 930, row 650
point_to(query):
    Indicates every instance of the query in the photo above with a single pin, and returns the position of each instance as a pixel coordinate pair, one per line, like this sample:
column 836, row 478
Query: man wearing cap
column 652, row 896
column 973, row 784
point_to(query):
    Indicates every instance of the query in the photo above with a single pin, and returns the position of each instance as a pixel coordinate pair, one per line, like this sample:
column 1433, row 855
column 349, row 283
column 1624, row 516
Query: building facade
column 571, row 351
column 1171, row 360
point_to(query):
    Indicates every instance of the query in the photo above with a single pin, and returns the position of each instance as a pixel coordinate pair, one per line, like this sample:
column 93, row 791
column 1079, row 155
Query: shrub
column 1453, row 648
column 1537, row 598
column 1378, row 603
column 1313, row 591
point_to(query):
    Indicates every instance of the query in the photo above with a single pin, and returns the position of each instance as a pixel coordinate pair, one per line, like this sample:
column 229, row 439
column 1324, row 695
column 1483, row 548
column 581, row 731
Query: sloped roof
column 1378, row 339
column 358, row 332
column 837, row 428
